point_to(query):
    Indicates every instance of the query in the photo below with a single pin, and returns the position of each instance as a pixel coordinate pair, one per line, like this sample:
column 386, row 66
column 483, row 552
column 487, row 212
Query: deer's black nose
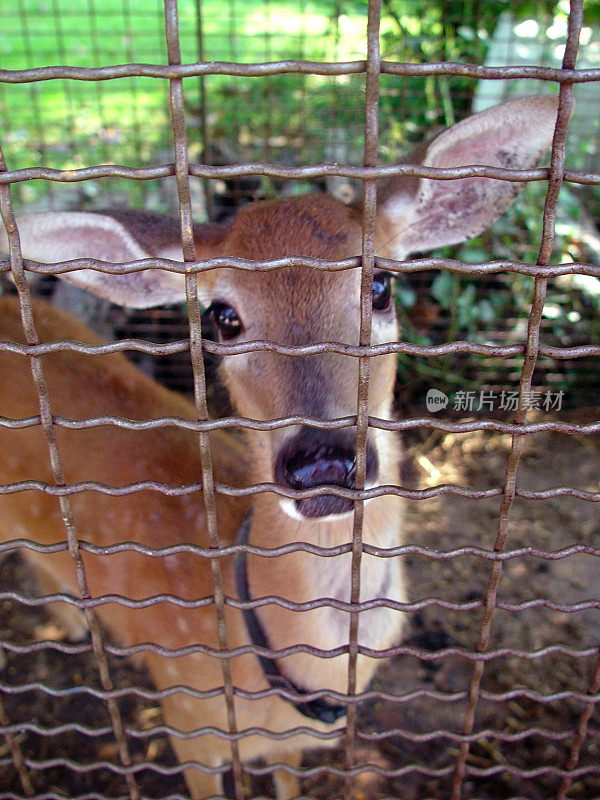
column 321, row 458
column 305, row 469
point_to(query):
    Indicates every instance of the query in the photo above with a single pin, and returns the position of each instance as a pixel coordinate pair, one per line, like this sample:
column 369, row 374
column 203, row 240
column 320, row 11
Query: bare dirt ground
column 444, row 522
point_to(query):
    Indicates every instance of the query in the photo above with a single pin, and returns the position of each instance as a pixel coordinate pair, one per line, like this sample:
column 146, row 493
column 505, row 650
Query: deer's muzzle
column 314, row 458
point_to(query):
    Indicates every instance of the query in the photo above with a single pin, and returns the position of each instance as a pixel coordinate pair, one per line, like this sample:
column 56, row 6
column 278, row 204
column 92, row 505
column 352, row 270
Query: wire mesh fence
column 495, row 692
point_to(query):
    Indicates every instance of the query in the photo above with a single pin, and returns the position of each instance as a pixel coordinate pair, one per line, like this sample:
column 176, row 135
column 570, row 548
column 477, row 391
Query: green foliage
column 453, row 31
column 495, row 310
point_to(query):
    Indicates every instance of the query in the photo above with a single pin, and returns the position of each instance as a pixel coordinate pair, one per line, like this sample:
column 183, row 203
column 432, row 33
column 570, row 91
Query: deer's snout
column 321, row 458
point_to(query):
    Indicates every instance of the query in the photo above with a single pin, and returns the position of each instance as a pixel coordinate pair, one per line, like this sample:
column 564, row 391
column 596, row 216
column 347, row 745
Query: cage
column 199, row 108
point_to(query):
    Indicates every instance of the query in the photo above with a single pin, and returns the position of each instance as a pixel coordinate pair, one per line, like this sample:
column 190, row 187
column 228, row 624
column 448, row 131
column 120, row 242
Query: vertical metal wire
column 68, row 131
column 268, row 85
column 191, row 287
column 580, row 733
column 303, row 114
column 335, row 54
column 203, row 106
column 233, row 55
column 133, row 92
column 96, row 50
column 34, row 92
column 531, row 354
column 48, row 428
column 232, row 32
column 15, row 753
column 373, row 68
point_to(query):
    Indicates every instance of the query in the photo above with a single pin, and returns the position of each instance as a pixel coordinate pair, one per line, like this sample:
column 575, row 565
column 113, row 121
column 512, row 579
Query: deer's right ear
column 419, row 215
column 62, row 236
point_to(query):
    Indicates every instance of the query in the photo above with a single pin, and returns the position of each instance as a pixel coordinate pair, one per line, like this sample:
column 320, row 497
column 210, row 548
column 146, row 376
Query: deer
column 293, row 306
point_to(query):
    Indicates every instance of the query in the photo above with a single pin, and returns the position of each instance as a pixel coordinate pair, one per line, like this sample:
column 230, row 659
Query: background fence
column 509, row 706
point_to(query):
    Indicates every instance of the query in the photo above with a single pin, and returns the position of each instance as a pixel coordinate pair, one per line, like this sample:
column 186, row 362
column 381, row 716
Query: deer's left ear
column 418, row 215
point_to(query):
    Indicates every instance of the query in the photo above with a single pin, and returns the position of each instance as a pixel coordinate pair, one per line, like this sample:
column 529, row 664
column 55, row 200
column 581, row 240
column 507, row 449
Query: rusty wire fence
column 545, row 755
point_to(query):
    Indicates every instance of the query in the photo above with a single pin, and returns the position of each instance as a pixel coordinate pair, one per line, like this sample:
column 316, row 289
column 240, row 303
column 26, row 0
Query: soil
column 529, row 732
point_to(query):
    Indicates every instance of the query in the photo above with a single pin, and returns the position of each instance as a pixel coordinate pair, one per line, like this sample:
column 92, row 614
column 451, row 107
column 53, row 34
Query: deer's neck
column 303, row 577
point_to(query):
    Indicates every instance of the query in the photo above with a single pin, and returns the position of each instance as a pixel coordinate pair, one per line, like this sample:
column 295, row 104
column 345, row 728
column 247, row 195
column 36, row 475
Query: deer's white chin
column 299, row 511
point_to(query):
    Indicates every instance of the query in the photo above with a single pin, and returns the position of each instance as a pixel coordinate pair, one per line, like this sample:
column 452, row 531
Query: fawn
column 291, row 306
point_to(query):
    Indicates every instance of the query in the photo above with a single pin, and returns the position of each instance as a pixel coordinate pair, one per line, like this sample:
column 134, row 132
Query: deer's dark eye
column 226, row 319
column 382, row 290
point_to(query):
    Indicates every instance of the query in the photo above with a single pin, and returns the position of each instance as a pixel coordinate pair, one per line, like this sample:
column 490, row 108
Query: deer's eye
column 382, row 291
column 227, row 320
